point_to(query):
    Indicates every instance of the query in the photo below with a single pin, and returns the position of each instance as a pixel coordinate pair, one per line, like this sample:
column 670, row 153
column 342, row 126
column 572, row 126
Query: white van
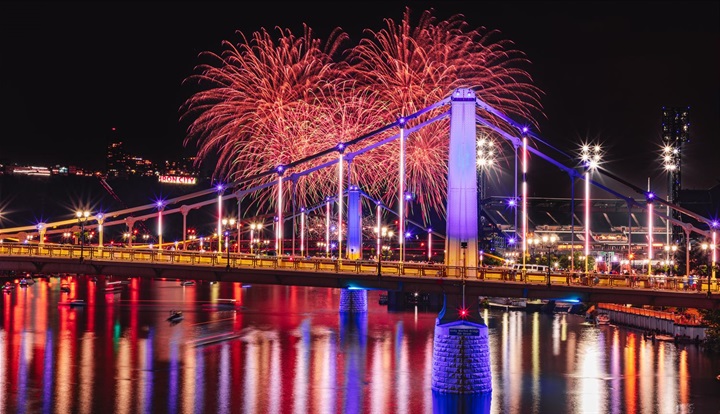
column 530, row 268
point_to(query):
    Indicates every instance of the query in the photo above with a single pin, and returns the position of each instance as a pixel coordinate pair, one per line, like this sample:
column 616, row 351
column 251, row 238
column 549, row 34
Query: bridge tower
column 461, row 243
column 461, row 356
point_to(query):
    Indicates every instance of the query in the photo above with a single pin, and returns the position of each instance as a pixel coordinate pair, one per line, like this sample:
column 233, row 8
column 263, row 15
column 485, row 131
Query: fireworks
column 266, row 102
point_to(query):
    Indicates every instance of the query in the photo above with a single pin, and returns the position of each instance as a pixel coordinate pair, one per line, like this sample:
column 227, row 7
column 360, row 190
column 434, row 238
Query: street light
column 253, row 227
column 548, row 242
column 668, row 260
column 710, row 246
column 382, row 234
column 590, row 158
column 228, row 223
column 82, row 216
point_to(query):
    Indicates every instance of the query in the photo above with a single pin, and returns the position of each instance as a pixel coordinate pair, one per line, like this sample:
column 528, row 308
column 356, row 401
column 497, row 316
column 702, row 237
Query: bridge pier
column 461, row 351
column 353, row 300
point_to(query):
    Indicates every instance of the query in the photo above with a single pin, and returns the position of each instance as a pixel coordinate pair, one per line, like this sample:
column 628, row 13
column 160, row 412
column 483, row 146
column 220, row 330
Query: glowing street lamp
column 253, row 227
column 82, row 216
column 590, row 158
column 711, row 260
column 228, row 223
column 548, row 242
column 668, row 261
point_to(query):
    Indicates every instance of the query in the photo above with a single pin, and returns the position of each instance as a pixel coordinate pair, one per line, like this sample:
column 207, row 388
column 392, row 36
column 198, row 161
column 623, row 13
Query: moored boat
column 602, row 319
column 187, row 283
column 175, row 316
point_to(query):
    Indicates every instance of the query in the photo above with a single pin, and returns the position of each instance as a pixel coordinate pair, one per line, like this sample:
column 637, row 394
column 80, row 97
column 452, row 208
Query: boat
column 24, row 282
column 383, row 299
column 212, row 339
column 175, row 316
column 73, row 303
column 221, row 304
column 65, row 288
column 115, row 286
column 187, row 283
column 602, row 319
column 506, row 304
column 8, row 287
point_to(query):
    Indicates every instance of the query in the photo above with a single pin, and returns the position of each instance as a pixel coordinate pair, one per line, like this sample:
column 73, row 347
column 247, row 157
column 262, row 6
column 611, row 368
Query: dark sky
column 71, row 71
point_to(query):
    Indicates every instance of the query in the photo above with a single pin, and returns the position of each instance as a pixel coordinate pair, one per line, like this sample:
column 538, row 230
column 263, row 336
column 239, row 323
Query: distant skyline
column 73, row 71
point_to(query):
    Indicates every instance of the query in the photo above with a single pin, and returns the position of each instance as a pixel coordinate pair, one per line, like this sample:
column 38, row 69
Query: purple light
column 650, row 196
column 302, row 209
column 408, row 196
column 407, row 235
column 525, row 130
column 714, row 224
column 511, row 241
column 340, row 146
column 159, row 203
column 280, row 168
column 511, row 202
column 429, row 230
column 220, row 187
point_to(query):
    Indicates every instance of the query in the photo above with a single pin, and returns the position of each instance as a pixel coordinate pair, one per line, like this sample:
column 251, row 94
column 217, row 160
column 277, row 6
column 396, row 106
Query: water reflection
column 292, row 351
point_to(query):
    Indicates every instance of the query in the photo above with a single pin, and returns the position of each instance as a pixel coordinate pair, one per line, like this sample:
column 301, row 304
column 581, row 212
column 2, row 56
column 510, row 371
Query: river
column 288, row 350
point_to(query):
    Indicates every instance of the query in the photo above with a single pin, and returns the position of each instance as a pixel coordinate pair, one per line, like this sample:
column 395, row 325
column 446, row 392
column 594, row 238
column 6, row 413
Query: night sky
column 71, row 71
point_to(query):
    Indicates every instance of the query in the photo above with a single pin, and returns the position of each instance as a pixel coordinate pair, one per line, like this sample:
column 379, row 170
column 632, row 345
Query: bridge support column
column 461, row 352
column 353, row 300
column 461, row 243
column 354, row 218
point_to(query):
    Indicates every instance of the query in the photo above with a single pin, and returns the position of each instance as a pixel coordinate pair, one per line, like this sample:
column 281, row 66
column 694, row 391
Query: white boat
column 187, row 283
column 602, row 319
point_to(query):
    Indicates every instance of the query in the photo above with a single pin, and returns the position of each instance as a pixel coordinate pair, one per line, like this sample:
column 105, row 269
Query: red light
column 463, row 313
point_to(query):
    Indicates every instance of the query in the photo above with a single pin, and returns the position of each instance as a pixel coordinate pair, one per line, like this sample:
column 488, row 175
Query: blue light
column 280, row 168
column 340, row 146
column 511, row 241
column 511, row 202
column 220, row 187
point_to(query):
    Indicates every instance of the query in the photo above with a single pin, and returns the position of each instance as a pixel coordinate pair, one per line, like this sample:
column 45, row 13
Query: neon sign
column 177, row 179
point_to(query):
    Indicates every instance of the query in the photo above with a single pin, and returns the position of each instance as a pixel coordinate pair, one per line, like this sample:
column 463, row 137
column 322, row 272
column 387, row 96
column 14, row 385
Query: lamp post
column 228, row 223
column 548, row 242
column 705, row 247
column 82, row 216
column 590, row 158
column 668, row 255
column 382, row 234
column 253, row 227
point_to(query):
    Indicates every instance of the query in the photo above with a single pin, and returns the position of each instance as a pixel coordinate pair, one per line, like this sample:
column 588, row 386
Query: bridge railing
column 362, row 267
